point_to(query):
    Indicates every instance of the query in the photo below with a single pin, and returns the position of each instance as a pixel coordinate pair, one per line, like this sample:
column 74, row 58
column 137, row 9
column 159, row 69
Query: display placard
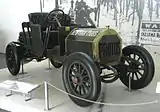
column 150, row 33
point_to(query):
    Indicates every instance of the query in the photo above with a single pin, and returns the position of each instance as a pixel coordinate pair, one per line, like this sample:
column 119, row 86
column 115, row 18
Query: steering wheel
column 55, row 17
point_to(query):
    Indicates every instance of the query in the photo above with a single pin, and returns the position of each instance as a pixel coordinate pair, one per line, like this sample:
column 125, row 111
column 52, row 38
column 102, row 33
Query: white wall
column 13, row 13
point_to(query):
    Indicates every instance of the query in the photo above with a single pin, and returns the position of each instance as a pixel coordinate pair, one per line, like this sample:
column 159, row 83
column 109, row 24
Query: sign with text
column 150, row 33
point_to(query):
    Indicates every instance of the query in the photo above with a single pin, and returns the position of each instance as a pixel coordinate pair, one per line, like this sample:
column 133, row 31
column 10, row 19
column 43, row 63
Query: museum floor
column 116, row 93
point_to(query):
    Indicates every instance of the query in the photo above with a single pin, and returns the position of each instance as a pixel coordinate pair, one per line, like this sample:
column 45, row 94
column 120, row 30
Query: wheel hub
column 134, row 66
column 78, row 79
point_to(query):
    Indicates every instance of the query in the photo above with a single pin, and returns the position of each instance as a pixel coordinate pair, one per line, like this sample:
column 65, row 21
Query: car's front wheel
column 81, row 78
column 136, row 63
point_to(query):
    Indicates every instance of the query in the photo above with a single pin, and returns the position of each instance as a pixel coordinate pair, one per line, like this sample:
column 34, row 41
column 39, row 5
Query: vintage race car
column 83, row 51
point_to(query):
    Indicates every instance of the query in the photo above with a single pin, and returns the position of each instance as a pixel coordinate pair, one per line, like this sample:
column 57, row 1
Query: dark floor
column 2, row 62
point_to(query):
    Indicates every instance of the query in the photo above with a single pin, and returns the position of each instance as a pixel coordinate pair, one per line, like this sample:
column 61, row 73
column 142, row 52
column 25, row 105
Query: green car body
column 102, row 44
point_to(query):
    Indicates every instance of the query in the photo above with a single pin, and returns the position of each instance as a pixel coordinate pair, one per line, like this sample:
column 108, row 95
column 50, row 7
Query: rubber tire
column 148, row 77
column 94, row 73
column 56, row 64
column 17, row 67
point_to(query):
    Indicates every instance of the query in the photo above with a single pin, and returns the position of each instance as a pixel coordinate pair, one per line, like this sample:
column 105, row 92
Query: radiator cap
column 108, row 26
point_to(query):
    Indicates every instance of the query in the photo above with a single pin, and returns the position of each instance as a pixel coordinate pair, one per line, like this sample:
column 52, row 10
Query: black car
column 83, row 51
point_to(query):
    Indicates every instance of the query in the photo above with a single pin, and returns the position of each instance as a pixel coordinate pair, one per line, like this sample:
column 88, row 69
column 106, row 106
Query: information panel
column 150, row 33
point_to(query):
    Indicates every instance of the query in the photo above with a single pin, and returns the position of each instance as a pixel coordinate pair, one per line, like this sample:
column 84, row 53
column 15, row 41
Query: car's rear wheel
column 81, row 78
column 136, row 63
column 12, row 59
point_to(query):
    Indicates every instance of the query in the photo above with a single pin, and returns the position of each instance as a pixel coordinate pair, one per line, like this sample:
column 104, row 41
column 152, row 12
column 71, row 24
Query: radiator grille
column 110, row 49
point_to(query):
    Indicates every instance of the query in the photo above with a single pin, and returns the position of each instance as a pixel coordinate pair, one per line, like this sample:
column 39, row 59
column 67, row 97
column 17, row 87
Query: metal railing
column 47, row 107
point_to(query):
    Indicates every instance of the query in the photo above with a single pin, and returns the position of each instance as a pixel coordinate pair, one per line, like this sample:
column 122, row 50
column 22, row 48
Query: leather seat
column 38, row 18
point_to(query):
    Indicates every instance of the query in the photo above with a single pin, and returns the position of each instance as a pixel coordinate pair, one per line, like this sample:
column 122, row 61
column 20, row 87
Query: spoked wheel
column 136, row 63
column 12, row 59
column 81, row 78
